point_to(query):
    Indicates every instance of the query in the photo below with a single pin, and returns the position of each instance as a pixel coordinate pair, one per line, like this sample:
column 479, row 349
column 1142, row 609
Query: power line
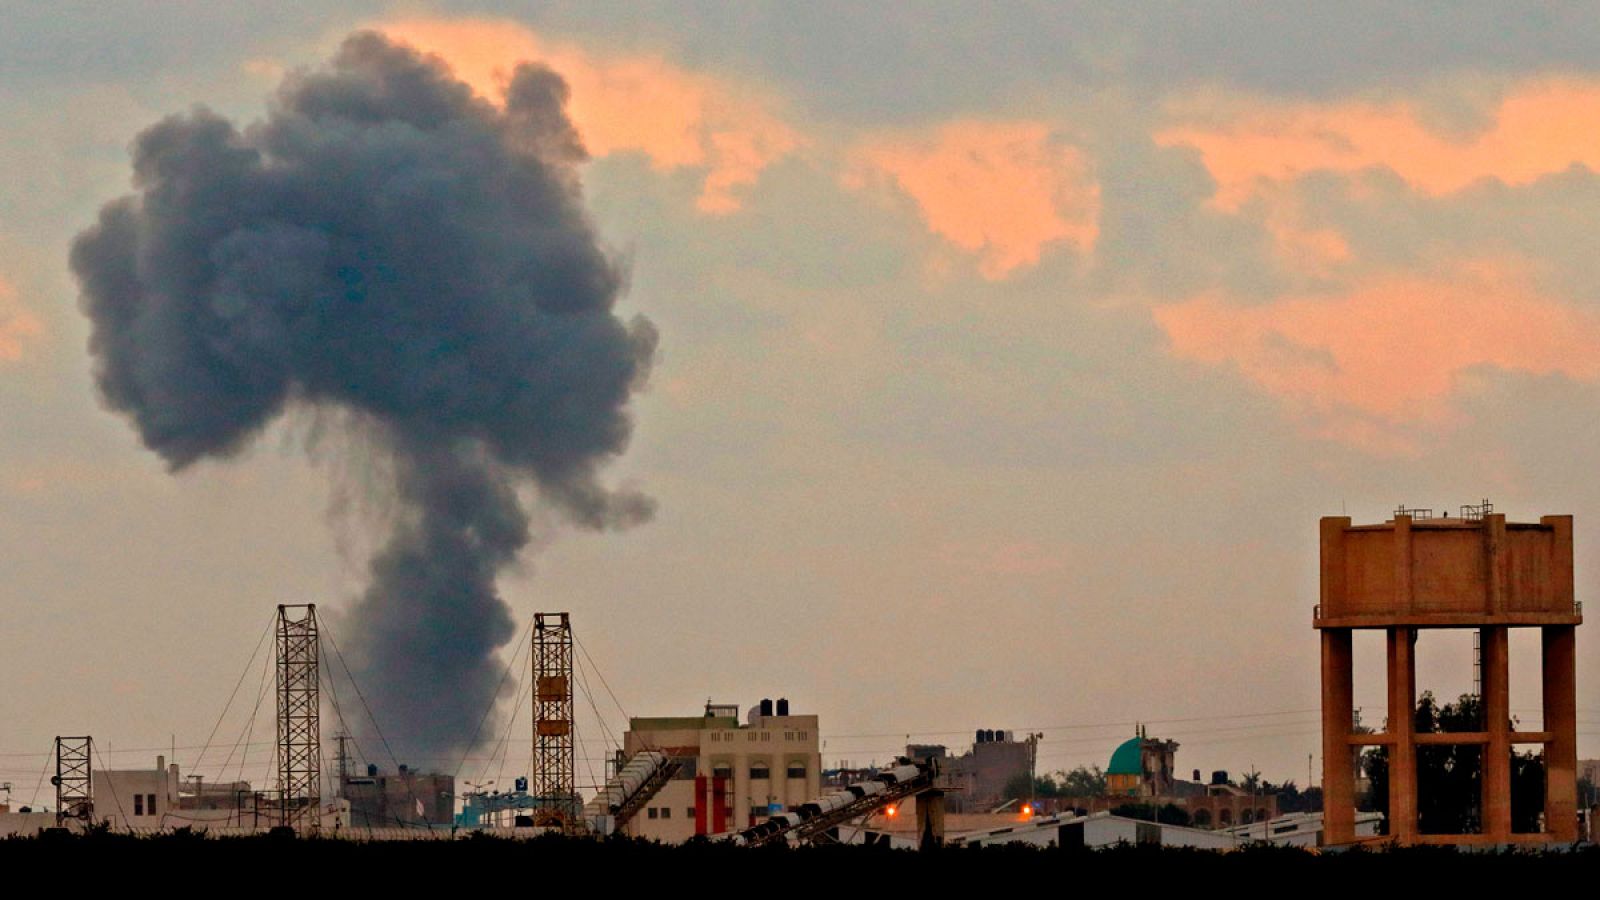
column 527, row 640
column 245, row 672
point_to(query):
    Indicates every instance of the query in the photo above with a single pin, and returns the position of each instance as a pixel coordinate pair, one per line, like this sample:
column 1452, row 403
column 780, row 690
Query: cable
column 42, row 773
column 502, row 749
column 1081, row 725
column 242, row 746
column 115, row 795
column 359, row 695
column 597, row 673
column 527, row 636
column 338, row 654
column 588, row 694
column 236, row 685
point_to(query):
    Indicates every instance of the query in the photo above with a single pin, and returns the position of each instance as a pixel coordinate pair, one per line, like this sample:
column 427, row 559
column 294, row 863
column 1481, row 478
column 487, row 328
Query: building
column 1416, row 572
column 405, row 799
column 1072, row 830
column 729, row 775
column 160, row 798
column 977, row 781
column 136, row 798
column 1142, row 767
column 1141, row 773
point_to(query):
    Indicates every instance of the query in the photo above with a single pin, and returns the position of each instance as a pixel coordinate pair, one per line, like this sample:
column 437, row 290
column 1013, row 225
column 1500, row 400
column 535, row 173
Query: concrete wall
column 1436, row 569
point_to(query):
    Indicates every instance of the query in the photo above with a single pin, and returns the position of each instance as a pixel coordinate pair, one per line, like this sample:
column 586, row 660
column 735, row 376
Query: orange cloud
column 620, row 104
column 1001, row 190
column 1539, row 128
column 1301, row 246
column 18, row 326
column 1370, row 365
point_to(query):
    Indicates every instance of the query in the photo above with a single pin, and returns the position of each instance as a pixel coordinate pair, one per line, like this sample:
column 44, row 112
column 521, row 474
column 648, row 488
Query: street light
column 476, row 787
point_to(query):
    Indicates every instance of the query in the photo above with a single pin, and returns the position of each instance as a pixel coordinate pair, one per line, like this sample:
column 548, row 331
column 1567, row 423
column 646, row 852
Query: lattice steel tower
column 553, row 764
column 299, row 724
column 73, row 781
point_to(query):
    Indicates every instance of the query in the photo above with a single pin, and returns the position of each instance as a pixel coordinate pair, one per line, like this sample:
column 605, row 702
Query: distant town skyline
column 1007, row 360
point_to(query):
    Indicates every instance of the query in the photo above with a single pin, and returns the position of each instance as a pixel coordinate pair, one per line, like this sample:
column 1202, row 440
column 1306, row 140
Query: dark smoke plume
column 387, row 244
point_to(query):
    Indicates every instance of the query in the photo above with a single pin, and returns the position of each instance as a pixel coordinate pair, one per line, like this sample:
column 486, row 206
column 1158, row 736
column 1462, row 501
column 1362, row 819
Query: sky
column 1006, row 363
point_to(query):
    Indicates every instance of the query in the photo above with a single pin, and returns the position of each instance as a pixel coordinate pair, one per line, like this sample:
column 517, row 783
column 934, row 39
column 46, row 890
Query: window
column 788, row 735
column 759, row 770
column 766, row 735
column 150, row 804
column 138, row 804
column 752, row 736
column 716, row 736
column 666, row 812
column 797, row 770
column 722, row 770
column 688, row 813
column 805, row 735
column 652, row 812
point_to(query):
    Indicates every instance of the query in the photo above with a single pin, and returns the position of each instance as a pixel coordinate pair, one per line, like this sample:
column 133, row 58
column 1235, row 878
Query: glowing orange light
column 891, row 811
column 1027, row 809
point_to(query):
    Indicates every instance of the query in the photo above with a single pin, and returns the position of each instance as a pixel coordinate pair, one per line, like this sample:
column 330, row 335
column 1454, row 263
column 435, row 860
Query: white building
column 1104, row 829
column 156, row 799
column 730, row 775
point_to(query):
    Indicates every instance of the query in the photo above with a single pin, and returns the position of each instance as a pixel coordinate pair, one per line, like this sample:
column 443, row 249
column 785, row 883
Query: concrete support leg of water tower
column 1561, row 721
column 1338, row 757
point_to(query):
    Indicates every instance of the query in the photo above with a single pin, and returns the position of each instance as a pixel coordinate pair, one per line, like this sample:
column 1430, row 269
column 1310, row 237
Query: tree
column 1084, row 781
column 1527, row 791
column 1375, row 765
column 1018, row 787
column 1450, row 776
column 1292, row 799
column 1167, row 814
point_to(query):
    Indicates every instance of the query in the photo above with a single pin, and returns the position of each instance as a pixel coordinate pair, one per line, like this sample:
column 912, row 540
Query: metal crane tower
column 553, row 763
column 299, row 720
column 73, row 781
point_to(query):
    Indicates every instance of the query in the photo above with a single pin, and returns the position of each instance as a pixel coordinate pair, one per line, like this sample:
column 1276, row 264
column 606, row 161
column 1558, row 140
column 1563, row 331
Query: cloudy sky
column 1007, row 360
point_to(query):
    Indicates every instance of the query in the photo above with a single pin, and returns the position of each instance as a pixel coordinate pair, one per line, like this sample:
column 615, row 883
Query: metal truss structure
column 553, row 760
column 74, row 780
column 299, row 759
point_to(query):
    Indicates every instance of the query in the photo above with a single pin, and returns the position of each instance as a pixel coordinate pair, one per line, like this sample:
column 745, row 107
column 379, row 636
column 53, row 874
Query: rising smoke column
column 389, row 245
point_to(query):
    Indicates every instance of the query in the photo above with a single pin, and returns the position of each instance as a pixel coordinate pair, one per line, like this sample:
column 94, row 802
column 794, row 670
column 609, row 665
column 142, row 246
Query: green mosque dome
column 1125, row 759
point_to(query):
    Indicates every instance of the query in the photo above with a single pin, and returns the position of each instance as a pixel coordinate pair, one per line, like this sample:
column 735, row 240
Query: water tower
column 1475, row 571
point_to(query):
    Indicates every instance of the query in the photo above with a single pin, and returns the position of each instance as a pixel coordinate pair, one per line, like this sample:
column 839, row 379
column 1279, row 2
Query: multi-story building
column 136, row 798
column 405, row 799
column 977, row 781
column 729, row 775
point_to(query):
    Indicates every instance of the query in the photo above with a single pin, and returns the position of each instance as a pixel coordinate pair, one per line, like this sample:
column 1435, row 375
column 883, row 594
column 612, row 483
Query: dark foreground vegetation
column 614, row 863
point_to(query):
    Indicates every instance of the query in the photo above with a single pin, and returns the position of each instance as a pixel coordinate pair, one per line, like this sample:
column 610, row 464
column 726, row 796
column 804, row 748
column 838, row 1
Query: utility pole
column 343, row 762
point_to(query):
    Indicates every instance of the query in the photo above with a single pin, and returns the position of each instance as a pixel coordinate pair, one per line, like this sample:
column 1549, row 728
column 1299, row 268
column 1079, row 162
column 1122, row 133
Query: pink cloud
column 1374, row 363
column 1003, row 191
column 1538, row 128
column 676, row 118
column 18, row 327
